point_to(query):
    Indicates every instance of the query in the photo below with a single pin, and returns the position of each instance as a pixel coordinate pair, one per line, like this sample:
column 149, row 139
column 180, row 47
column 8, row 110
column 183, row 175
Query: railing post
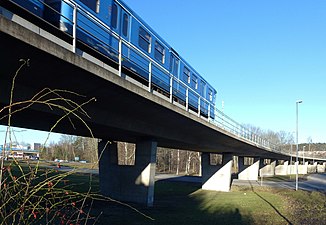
column 198, row 106
column 187, row 99
column 74, row 29
column 150, row 77
column 171, row 89
column 226, row 122
column 120, row 57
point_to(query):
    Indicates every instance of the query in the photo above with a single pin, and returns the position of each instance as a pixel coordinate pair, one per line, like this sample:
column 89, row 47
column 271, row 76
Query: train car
column 102, row 24
column 34, row 6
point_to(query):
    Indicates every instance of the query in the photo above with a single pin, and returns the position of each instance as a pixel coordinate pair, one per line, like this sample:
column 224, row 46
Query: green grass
column 78, row 182
column 185, row 204
column 282, row 178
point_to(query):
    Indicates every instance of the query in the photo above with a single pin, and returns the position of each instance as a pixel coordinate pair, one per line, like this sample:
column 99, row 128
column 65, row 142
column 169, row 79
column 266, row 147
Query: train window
column 144, row 40
column 174, row 65
column 159, row 52
column 210, row 94
column 202, row 88
column 194, row 82
column 186, row 75
column 114, row 18
column 92, row 4
column 125, row 25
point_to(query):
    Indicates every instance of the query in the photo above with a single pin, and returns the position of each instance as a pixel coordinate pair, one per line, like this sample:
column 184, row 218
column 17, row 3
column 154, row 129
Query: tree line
column 174, row 161
column 71, row 148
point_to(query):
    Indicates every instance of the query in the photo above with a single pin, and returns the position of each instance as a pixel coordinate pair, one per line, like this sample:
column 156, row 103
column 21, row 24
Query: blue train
column 112, row 29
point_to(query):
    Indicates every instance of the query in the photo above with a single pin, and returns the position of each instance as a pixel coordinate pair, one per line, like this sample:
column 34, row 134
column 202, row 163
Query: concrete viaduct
column 123, row 111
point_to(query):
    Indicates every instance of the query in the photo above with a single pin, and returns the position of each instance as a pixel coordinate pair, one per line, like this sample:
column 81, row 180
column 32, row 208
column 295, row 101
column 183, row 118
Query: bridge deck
column 122, row 110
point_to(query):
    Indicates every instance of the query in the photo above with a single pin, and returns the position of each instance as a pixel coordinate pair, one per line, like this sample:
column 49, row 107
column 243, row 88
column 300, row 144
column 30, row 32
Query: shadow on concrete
column 273, row 207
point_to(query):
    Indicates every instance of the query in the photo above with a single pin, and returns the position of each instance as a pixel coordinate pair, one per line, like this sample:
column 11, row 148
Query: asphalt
column 314, row 182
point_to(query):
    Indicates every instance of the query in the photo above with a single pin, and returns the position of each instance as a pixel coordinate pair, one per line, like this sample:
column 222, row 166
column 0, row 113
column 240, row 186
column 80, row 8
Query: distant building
column 37, row 146
column 14, row 150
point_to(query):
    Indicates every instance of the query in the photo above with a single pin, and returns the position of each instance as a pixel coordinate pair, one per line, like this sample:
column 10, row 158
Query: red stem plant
column 32, row 194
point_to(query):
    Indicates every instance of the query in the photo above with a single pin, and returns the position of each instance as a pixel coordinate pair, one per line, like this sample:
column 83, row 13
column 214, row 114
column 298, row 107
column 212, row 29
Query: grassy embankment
column 186, row 203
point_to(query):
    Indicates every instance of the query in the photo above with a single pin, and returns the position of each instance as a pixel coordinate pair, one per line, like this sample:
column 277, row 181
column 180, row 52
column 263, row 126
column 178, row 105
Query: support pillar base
column 216, row 177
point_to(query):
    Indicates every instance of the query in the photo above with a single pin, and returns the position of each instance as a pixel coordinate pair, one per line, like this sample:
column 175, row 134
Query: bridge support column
column 267, row 169
column 303, row 168
column 248, row 172
column 312, row 167
column 128, row 183
column 292, row 168
column 282, row 169
column 216, row 177
column 321, row 167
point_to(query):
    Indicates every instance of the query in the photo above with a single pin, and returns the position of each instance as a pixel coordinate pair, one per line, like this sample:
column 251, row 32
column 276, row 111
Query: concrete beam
column 128, row 183
column 248, row 172
column 152, row 116
column 216, row 177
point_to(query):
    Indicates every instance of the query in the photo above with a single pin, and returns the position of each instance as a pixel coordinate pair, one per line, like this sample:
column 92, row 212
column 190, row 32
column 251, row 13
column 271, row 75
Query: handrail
column 220, row 120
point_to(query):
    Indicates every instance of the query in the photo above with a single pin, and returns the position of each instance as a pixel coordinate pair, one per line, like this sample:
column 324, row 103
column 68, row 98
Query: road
column 314, row 182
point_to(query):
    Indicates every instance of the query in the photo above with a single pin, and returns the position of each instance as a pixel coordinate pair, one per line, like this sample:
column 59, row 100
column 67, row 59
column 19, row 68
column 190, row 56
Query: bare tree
column 126, row 153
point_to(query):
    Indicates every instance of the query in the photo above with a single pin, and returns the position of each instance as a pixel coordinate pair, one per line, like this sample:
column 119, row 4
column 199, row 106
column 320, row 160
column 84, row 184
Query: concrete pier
column 267, row 170
column 312, row 167
column 248, row 172
column 303, row 168
column 292, row 168
column 282, row 169
column 128, row 183
column 216, row 177
column 321, row 167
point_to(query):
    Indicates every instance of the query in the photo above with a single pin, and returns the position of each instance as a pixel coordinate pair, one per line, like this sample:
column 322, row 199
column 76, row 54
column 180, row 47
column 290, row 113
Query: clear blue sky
column 260, row 55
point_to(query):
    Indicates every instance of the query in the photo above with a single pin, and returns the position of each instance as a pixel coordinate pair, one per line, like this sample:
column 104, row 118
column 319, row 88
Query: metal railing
column 219, row 119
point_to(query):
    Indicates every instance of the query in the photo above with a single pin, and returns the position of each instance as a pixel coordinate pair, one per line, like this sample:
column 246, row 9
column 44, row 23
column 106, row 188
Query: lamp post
column 297, row 152
column 304, row 147
column 313, row 153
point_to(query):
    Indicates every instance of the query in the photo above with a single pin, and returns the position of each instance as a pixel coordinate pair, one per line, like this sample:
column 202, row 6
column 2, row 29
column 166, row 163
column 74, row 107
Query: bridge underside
column 118, row 110
column 122, row 111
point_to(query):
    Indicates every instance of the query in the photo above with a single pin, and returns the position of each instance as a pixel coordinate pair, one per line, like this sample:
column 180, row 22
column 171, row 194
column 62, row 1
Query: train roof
column 132, row 12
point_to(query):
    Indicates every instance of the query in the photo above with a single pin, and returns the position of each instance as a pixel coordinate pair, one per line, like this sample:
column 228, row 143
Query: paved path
column 314, row 182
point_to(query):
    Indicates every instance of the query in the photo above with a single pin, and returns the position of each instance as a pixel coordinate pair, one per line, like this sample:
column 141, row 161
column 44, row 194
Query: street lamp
column 297, row 152
column 304, row 147
column 313, row 153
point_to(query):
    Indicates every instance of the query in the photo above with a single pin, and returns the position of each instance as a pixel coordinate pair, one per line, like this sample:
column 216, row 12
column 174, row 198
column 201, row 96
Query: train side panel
column 117, row 17
column 151, row 47
column 91, row 33
column 60, row 14
column 34, row 6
